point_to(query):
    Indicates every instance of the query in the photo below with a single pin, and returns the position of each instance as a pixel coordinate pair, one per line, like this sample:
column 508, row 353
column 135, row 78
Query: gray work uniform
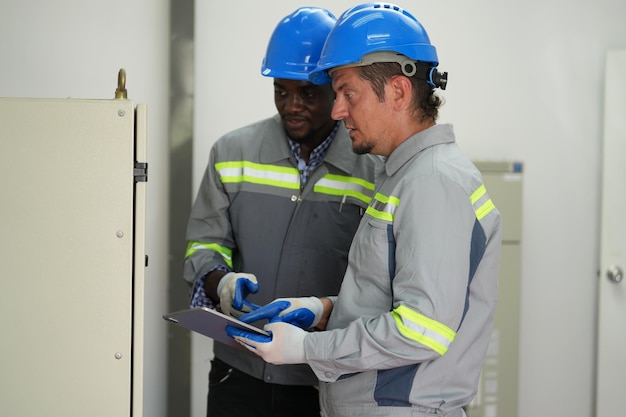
column 410, row 328
column 252, row 215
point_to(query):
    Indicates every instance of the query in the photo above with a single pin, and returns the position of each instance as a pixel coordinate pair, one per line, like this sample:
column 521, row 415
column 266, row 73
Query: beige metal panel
column 499, row 385
column 504, row 185
column 139, row 265
column 66, row 242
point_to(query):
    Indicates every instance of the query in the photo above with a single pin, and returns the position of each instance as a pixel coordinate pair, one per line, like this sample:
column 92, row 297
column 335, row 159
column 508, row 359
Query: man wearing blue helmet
column 275, row 214
column 408, row 332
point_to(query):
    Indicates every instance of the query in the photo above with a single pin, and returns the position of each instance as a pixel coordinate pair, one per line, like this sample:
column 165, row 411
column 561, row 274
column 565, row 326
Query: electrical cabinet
column 498, row 391
column 72, row 180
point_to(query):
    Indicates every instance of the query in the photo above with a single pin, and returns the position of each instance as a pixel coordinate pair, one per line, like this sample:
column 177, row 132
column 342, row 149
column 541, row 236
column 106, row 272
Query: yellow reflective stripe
column 423, row 330
column 246, row 171
column 333, row 184
column 383, row 207
column 481, row 208
column 226, row 253
column 480, row 191
column 485, row 209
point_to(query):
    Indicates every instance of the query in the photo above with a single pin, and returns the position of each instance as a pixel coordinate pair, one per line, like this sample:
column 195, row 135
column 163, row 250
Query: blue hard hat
column 296, row 44
column 368, row 29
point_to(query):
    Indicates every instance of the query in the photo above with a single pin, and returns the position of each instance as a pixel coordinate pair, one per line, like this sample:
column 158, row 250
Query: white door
column 611, row 389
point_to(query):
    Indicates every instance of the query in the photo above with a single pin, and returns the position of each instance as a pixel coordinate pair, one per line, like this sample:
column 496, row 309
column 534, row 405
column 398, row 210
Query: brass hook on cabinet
column 121, row 92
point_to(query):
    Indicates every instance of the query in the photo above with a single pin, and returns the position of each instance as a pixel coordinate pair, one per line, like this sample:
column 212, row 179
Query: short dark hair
column 425, row 102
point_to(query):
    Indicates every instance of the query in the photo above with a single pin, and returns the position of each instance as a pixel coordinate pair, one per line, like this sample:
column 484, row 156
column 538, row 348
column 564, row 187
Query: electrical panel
column 73, row 181
column 498, row 391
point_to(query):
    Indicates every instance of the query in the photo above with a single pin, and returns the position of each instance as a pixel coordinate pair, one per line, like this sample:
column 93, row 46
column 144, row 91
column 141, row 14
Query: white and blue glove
column 285, row 345
column 233, row 289
column 304, row 312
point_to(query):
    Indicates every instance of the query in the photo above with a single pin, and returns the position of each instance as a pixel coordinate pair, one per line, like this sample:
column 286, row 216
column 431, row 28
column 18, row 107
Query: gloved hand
column 304, row 312
column 285, row 345
column 233, row 289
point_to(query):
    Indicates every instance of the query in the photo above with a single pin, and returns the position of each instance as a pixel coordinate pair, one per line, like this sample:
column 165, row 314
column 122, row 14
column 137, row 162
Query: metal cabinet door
column 497, row 394
column 69, row 286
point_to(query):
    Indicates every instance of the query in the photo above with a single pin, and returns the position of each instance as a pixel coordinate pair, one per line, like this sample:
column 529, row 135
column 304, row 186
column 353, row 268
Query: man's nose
column 295, row 102
column 339, row 111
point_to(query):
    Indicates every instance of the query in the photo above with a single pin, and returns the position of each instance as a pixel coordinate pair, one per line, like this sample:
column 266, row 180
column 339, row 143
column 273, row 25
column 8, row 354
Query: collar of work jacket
column 339, row 153
column 432, row 136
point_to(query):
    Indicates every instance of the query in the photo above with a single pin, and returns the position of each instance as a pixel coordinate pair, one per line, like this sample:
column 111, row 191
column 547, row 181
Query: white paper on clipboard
column 210, row 323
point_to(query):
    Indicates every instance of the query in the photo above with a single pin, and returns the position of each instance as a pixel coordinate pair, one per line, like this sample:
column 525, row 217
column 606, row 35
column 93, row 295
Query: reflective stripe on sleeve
column 481, row 202
column 333, row 184
column 383, row 207
column 226, row 253
column 423, row 330
column 246, row 171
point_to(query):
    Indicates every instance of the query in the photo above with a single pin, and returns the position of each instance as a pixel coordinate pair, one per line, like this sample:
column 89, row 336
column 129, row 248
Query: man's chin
column 361, row 148
column 298, row 136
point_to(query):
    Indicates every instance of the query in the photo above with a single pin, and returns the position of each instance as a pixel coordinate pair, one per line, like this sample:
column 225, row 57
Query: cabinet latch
column 141, row 171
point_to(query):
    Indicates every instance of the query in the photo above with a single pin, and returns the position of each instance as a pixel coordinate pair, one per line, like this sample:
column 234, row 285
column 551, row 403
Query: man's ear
column 401, row 91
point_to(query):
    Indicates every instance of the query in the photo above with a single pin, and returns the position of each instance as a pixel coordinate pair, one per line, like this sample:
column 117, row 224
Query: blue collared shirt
column 315, row 159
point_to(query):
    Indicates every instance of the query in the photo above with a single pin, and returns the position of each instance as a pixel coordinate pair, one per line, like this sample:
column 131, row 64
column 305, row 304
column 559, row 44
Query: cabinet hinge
column 141, row 171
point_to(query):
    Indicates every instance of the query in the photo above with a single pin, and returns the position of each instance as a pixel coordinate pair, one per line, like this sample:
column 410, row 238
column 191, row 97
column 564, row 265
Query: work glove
column 233, row 289
column 284, row 345
column 304, row 312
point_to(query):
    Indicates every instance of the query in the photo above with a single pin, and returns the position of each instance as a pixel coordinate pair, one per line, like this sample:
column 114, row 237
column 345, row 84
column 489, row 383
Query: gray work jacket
column 409, row 330
column 252, row 215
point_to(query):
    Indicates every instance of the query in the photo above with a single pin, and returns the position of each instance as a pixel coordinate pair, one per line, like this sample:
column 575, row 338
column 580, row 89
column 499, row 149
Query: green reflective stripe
column 383, row 207
column 481, row 202
column 245, row 171
column 333, row 184
column 227, row 254
column 423, row 330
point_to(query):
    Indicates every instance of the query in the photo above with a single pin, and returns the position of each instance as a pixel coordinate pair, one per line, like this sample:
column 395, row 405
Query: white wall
column 526, row 82
column 74, row 48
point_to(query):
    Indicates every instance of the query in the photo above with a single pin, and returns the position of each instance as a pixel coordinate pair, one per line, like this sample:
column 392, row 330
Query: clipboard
column 210, row 323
